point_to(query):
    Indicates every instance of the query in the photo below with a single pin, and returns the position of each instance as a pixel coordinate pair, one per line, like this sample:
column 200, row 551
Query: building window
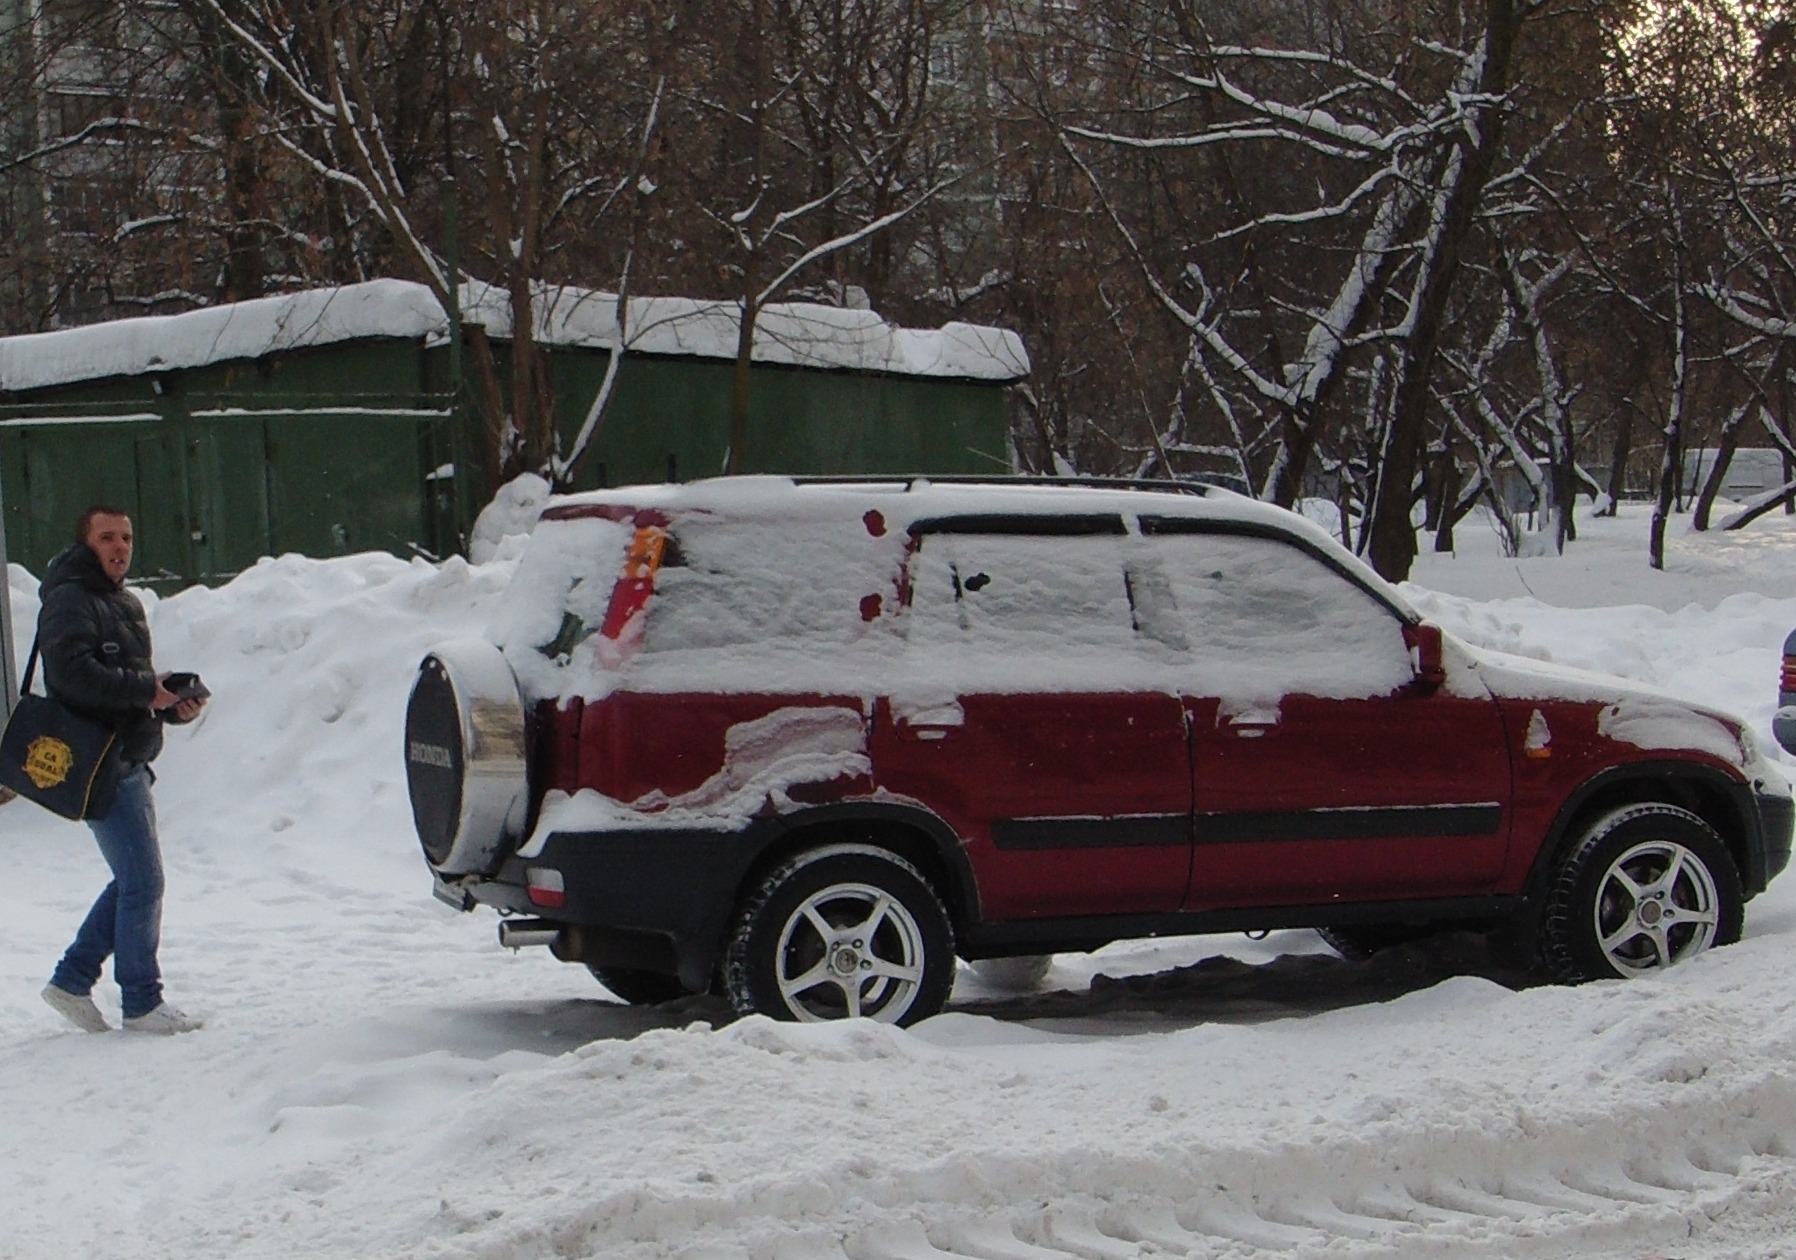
column 85, row 206
column 944, row 62
column 72, row 109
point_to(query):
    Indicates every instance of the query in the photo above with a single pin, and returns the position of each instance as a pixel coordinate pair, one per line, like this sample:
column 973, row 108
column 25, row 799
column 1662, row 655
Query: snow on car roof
column 904, row 498
column 902, row 501
column 797, row 334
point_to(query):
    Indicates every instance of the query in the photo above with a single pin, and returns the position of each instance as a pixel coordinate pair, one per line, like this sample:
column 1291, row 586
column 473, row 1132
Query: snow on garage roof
column 797, row 334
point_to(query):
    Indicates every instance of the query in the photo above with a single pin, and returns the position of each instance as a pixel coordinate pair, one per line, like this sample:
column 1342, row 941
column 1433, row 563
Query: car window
column 724, row 585
column 1261, row 617
column 1008, row 595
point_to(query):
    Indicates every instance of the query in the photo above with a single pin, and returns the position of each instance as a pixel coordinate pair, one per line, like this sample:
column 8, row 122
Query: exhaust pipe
column 517, row 933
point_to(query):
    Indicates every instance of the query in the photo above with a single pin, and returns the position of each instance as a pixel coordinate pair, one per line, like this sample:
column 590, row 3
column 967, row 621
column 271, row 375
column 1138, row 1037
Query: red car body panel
column 1406, row 795
column 1546, row 778
column 1065, row 804
column 1127, row 803
column 650, row 747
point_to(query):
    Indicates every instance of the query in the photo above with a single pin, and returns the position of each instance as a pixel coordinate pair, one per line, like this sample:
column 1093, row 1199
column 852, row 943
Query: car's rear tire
column 841, row 931
column 638, row 987
column 1643, row 888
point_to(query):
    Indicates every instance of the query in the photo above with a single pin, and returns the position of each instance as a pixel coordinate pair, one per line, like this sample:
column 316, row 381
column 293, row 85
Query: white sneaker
column 164, row 1019
column 77, row 1008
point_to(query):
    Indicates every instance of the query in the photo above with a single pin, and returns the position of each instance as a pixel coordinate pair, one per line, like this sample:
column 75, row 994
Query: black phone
column 187, row 686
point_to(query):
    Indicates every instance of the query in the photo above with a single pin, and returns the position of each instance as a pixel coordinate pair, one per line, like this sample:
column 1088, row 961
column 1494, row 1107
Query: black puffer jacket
column 95, row 644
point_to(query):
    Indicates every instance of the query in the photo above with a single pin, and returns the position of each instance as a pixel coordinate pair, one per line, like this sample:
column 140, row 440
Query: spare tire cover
column 465, row 757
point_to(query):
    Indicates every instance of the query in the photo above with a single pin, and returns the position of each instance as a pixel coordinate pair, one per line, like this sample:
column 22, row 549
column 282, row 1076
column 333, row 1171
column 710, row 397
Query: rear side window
column 1045, row 611
column 754, row 606
column 737, row 584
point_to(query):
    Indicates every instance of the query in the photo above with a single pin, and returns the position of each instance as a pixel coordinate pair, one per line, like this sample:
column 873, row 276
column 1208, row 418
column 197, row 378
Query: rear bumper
column 657, row 900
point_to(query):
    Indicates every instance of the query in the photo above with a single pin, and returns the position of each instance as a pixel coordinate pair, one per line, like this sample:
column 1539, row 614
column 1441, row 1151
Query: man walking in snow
column 95, row 643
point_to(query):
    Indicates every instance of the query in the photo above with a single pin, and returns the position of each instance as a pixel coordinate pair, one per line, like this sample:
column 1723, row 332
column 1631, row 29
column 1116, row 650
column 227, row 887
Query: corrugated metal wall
column 800, row 421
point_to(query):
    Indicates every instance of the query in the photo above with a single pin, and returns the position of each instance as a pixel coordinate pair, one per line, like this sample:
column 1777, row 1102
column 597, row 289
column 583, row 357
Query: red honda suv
column 805, row 743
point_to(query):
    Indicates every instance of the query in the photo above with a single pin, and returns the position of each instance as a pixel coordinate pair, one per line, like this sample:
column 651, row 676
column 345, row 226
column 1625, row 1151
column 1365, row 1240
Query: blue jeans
column 126, row 919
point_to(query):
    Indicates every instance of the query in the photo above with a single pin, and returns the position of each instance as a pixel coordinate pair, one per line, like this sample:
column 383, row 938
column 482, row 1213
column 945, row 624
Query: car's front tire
column 841, row 931
column 1643, row 888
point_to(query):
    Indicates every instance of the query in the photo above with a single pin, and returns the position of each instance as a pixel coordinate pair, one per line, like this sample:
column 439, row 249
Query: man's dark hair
column 87, row 517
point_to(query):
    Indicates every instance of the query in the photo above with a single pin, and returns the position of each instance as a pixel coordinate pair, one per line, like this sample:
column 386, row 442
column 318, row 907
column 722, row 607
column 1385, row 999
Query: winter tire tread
column 1566, row 953
column 750, row 966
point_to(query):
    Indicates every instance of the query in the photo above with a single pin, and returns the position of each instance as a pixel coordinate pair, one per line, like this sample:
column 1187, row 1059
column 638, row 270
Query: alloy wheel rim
column 850, row 950
column 1656, row 906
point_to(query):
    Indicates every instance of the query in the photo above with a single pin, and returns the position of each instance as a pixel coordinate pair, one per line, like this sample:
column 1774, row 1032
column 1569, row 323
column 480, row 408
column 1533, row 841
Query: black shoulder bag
column 65, row 762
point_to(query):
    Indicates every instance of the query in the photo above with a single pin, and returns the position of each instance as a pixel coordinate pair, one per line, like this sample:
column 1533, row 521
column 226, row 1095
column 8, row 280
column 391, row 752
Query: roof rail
column 909, row 481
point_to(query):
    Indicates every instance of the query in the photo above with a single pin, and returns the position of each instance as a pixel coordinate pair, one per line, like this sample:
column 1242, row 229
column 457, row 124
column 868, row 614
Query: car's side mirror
column 1426, row 654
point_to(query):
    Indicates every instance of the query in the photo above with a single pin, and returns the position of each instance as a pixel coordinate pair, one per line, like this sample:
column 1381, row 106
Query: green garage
column 325, row 422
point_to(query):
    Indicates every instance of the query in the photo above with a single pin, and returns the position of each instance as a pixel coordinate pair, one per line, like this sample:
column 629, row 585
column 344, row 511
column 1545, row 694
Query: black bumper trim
column 1484, row 818
column 1776, row 815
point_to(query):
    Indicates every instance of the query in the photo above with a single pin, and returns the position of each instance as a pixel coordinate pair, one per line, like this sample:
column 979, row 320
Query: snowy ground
column 379, row 1079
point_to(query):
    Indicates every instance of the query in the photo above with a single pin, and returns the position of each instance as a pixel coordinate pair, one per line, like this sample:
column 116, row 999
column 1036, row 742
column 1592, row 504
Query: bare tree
column 111, row 160
column 1386, row 145
column 805, row 138
column 402, row 104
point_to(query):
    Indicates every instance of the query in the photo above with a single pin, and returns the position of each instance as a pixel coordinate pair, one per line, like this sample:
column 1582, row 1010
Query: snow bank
column 509, row 518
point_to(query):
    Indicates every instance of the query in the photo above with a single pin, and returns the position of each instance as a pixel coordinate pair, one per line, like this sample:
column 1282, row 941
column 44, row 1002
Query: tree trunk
column 1670, row 466
column 1619, row 455
column 1458, row 509
column 1783, row 422
column 1725, row 445
column 233, row 82
column 1392, row 542
column 501, row 453
column 532, row 402
column 1444, row 497
column 1296, row 444
column 745, row 344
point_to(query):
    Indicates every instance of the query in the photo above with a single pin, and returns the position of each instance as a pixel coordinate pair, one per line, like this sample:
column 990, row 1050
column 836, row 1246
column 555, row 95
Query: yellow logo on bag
column 48, row 761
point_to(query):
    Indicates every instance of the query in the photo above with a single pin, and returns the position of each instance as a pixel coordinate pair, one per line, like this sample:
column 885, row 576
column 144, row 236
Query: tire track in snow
column 1710, row 1173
